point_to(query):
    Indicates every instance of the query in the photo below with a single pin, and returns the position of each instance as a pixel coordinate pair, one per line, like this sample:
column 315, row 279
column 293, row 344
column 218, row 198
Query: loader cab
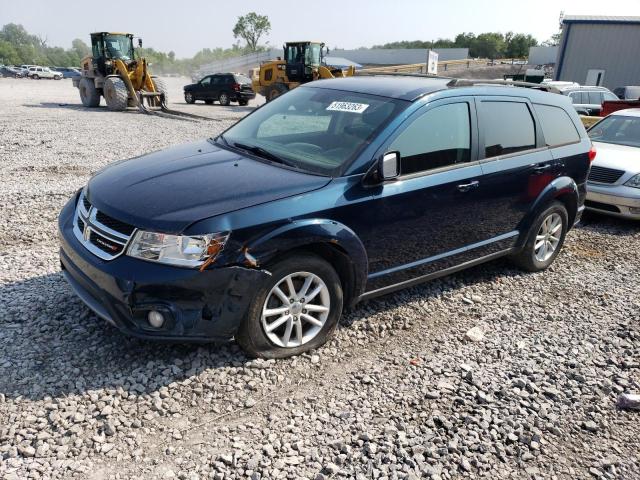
column 107, row 46
column 302, row 60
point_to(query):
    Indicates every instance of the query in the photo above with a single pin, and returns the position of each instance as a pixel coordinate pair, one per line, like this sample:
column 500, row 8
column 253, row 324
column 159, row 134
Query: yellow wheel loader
column 302, row 62
column 113, row 72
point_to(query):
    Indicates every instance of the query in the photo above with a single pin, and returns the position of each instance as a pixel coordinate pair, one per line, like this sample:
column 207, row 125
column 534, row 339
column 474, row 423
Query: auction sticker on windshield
column 347, row 107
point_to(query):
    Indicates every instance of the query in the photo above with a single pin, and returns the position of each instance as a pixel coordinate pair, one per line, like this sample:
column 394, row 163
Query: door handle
column 465, row 187
column 542, row 168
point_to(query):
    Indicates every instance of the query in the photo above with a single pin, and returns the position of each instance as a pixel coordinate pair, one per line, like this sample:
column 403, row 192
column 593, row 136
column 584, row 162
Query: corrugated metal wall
column 613, row 48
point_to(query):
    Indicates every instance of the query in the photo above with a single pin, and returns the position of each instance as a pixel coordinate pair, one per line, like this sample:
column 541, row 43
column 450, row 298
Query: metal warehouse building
column 598, row 50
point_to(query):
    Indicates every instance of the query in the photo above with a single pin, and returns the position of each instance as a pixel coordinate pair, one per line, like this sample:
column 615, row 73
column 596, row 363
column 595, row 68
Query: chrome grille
column 102, row 235
column 604, row 174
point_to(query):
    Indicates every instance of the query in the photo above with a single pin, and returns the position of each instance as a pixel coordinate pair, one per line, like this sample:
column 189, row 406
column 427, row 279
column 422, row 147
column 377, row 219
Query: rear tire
column 224, row 99
column 545, row 239
column 310, row 321
column 116, row 94
column 35, row 77
column 88, row 93
column 275, row 91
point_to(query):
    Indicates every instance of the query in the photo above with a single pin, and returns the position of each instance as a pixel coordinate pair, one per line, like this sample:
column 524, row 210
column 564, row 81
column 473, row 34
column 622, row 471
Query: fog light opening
column 155, row 319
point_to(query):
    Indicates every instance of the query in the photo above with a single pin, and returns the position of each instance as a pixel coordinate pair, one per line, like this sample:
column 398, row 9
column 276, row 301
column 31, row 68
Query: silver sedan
column 613, row 186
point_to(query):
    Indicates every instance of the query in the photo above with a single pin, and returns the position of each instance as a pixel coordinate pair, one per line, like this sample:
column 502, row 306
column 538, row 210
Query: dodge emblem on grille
column 86, row 234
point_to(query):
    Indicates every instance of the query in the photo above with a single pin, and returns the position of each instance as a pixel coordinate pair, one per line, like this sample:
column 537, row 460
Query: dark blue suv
column 338, row 191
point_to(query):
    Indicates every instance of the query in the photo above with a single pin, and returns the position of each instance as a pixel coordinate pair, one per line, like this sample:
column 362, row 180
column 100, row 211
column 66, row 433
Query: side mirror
column 389, row 166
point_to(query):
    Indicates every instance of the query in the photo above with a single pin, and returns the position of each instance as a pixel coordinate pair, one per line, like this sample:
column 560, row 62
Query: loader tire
column 162, row 88
column 275, row 91
column 88, row 93
column 115, row 94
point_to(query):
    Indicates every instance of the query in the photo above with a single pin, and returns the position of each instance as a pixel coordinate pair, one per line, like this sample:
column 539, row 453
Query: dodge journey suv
column 338, row 191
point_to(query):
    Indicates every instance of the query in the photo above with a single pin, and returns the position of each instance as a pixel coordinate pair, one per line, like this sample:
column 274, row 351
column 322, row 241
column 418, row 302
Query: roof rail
column 464, row 82
column 400, row 74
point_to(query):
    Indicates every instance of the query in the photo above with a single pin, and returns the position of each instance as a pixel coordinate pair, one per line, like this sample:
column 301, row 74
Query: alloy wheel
column 296, row 309
column 548, row 237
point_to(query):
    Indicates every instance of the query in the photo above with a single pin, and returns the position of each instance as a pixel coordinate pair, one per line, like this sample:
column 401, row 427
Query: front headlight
column 633, row 181
column 180, row 250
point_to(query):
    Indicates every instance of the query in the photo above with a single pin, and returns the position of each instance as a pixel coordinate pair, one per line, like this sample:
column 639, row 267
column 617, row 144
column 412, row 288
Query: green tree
column 80, row 48
column 517, row 46
column 488, row 45
column 553, row 41
column 8, row 54
column 251, row 27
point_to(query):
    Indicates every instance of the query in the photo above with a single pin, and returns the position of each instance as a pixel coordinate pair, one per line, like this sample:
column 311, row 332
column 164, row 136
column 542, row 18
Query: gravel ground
column 405, row 390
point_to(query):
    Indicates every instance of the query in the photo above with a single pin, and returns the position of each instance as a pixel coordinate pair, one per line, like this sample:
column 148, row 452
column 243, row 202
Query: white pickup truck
column 43, row 72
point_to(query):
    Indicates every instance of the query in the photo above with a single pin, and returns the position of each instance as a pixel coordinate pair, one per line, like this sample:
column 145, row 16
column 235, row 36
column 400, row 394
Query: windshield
column 309, row 54
column 118, row 46
column 315, row 129
column 618, row 129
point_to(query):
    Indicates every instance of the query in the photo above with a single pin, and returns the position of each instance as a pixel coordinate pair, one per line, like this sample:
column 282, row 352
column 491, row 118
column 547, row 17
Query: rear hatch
column 244, row 82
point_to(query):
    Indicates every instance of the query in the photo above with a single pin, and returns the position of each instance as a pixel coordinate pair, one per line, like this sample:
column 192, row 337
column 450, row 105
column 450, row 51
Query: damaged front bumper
column 197, row 306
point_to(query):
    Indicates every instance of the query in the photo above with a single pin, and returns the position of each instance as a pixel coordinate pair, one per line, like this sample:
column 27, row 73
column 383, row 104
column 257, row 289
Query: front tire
column 295, row 310
column 545, row 239
column 161, row 87
column 189, row 98
column 116, row 94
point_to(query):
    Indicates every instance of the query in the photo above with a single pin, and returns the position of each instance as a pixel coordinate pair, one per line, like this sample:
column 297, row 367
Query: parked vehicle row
column 37, row 72
column 336, row 192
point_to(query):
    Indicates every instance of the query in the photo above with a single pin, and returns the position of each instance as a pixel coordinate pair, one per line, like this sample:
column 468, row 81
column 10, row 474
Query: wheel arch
column 562, row 189
column 328, row 239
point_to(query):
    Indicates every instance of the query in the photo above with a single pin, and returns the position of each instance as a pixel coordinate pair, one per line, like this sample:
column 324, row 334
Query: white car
column 613, row 186
column 44, row 72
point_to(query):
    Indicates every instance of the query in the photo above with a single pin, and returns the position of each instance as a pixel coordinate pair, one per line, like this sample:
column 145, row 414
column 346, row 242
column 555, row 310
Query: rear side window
column 438, row 138
column 576, row 98
column 595, row 98
column 508, row 127
column 557, row 127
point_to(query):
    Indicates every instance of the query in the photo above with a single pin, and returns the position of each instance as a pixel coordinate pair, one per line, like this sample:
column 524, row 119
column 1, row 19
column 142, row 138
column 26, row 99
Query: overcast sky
column 190, row 25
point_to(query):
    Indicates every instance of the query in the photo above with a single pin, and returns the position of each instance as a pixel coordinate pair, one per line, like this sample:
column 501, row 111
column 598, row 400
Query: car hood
column 620, row 157
column 191, row 86
column 170, row 189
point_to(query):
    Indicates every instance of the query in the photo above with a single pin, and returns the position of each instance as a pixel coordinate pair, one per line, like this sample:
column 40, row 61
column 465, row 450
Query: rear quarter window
column 242, row 79
column 557, row 126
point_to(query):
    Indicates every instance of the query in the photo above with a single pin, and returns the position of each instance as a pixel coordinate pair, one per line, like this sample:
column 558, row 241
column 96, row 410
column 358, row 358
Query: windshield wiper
column 261, row 152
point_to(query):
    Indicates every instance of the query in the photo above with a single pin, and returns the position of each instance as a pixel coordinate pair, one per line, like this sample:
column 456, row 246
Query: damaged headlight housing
column 180, row 250
column 633, row 181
